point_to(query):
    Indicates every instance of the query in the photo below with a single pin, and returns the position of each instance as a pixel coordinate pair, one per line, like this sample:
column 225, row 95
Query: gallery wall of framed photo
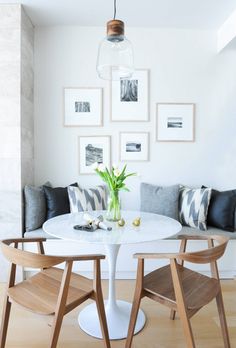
column 129, row 102
column 178, row 72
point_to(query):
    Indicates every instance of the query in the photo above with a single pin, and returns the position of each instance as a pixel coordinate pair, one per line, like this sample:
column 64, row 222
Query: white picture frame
column 175, row 122
column 94, row 149
column 130, row 98
column 134, row 146
column 83, row 106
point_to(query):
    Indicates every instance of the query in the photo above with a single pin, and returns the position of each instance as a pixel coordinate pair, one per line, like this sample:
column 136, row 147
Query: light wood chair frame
column 43, row 262
column 210, row 255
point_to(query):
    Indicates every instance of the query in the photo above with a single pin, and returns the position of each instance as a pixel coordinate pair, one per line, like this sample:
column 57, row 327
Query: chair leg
column 102, row 319
column 172, row 314
column 61, row 304
column 5, row 321
column 56, row 327
column 224, row 327
column 133, row 319
column 187, row 328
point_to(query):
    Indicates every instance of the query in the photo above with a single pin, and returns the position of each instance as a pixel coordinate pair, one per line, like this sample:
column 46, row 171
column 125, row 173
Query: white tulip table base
column 118, row 316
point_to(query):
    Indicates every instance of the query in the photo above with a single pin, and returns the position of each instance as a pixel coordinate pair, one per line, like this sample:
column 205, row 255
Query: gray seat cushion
column 210, row 231
column 39, row 233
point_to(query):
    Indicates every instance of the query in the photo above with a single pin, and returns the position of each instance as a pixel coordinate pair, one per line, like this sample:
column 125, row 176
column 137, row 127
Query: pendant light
column 115, row 53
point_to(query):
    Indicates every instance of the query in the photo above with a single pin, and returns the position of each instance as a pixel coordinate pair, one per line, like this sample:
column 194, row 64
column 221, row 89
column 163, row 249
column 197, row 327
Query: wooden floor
column 27, row 330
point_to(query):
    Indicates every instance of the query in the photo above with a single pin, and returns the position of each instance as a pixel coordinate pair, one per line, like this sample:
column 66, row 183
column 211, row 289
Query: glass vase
column 113, row 207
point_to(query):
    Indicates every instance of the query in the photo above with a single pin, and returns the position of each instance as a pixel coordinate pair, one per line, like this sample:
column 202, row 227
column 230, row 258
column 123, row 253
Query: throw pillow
column 193, row 205
column 57, row 200
column 160, row 200
column 35, row 207
column 87, row 199
column 221, row 212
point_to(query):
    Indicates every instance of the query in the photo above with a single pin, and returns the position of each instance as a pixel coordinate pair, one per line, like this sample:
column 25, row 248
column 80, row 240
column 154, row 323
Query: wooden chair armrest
column 24, row 240
column 155, row 256
column 32, row 240
column 91, row 257
column 195, row 237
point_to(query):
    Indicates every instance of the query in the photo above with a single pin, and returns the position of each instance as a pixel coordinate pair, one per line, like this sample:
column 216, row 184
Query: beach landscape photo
column 133, row 146
column 93, row 153
column 174, row 122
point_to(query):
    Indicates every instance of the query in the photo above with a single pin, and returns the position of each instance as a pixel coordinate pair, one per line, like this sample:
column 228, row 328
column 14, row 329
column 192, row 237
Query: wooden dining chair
column 180, row 288
column 51, row 291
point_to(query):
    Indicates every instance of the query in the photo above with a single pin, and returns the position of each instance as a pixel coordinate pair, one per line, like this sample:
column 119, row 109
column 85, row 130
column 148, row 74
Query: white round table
column 152, row 227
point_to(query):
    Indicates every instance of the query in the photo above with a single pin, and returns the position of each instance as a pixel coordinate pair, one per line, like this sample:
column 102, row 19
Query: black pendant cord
column 114, row 9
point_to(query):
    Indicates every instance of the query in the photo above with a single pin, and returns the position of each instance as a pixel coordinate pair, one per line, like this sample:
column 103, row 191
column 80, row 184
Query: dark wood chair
column 51, row 291
column 180, row 288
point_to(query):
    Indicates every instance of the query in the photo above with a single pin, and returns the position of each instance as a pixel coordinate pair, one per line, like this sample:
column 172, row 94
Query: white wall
column 184, row 67
column 227, row 32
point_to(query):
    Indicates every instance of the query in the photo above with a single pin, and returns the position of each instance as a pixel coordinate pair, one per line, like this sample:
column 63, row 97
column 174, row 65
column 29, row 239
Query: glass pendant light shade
column 115, row 53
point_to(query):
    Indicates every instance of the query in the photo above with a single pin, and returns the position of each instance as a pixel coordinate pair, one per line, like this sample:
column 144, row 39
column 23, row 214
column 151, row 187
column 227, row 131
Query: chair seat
column 198, row 289
column 39, row 293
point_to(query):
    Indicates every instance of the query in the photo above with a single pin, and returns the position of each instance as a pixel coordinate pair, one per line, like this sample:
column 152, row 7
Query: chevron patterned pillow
column 193, row 207
column 87, row 199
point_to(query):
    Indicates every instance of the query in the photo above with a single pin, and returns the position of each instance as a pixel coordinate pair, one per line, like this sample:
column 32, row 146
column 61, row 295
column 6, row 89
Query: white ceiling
column 200, row 14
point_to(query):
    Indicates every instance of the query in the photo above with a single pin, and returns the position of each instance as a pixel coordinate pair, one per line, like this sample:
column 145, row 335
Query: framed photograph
column 175, row 122
column 83, row 106
column 93, row 149
column 130, row 98
column 134, row 146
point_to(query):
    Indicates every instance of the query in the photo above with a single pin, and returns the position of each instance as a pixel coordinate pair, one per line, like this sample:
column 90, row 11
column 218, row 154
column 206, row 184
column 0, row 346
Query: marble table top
column 152, row 227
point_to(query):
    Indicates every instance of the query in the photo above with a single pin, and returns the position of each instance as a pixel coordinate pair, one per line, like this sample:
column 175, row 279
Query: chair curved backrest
column 52, row 291
column 180, row 288
column 26, row 258
column 207, row 255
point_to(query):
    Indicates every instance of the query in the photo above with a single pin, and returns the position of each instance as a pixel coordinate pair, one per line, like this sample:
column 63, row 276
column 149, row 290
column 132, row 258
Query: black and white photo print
column 94, row 149
column 93, row 154
column 133, row 147
column 82, row 106
column 128, row 90
column 174, row 122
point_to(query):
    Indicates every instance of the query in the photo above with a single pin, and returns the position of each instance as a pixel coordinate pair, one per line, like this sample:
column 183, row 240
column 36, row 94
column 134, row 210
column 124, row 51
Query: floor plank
column 27, row 330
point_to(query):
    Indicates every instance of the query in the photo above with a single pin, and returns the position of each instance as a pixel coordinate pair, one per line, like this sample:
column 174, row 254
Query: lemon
column 121, row 222
column 137, row 221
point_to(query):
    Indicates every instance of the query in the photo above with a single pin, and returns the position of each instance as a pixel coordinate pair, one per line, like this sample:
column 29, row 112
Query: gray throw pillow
column 35, row 207
column 193, row 207
column 87, row 199
column 160, row 200
column 235, row 220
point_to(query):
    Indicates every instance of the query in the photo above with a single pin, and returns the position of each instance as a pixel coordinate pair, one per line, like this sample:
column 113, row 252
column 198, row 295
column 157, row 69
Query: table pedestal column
column 117, row 312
